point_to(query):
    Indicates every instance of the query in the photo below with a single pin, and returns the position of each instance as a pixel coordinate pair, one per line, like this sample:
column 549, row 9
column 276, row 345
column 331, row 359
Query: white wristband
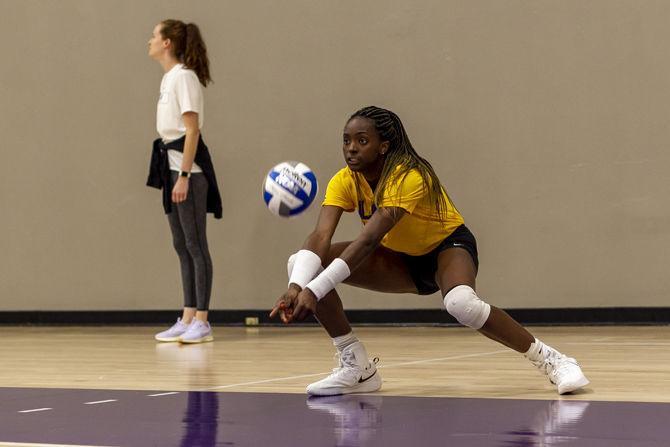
column 307, row 265
column 335, row 273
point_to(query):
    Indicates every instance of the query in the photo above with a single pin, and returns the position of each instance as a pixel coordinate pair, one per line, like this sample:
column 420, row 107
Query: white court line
column 162, row 394
column 598, row 340
column 441, row 359
column 393, row 365
column 23, row 444
column 35, row 409
column 618, row 343
column 265, row 381
column 100, row 402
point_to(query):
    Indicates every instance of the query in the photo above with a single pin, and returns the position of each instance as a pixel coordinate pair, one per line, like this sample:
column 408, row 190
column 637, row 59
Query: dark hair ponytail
column 188, row 46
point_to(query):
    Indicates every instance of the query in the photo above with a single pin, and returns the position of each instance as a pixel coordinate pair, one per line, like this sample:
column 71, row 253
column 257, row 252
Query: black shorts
column 422, row 268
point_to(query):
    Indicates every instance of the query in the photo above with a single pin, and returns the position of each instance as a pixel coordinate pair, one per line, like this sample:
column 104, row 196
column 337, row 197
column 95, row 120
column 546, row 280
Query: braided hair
column 401, row 158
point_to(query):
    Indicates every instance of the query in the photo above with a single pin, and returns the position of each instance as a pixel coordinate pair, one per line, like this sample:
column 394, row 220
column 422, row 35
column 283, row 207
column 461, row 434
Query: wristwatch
column 184, row 174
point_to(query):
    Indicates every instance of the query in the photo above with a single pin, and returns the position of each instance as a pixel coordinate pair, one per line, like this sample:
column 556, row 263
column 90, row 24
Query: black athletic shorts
column 423, row 268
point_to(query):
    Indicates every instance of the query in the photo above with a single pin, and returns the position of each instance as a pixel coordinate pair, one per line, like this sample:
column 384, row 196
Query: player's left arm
column 381, row 222
column 180, row 189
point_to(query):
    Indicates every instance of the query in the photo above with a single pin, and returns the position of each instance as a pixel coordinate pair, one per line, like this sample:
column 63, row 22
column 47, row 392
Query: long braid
column 401, row 158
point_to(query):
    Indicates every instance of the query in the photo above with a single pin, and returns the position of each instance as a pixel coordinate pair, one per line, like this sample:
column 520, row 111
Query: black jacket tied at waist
column 159, row 173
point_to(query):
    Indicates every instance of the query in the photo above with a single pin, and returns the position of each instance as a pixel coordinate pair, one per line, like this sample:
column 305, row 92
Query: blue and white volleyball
column 289, row 188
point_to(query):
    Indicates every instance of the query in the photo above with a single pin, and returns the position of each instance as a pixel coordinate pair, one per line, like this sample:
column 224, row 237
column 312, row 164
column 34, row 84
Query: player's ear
column 384, row 147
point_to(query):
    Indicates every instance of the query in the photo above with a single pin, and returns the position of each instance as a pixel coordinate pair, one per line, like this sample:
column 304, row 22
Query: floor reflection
column 356, row 417
column 201, row 419
column 357, row 420
column 193, row 364
column 557, row 423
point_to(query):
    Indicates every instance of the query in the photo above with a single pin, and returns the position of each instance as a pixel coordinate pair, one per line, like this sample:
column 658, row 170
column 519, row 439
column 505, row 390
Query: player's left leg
column 455, row 275
column 382, row 271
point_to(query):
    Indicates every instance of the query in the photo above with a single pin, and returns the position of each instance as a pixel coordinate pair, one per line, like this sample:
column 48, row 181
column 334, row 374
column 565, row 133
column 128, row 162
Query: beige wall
column 546, row 120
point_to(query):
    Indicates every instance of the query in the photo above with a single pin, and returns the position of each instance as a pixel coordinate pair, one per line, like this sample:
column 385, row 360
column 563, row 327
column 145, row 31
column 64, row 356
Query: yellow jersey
column 418, row 232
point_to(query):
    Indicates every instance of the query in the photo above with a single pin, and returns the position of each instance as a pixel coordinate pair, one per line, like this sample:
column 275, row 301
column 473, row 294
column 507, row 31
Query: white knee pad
column 463, row 304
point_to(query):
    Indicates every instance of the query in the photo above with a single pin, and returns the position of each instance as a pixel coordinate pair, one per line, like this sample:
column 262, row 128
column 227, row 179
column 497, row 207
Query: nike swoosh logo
column 361, row 380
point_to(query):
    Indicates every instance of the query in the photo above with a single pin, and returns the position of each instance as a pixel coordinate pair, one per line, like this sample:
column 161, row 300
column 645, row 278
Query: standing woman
column 182, row 168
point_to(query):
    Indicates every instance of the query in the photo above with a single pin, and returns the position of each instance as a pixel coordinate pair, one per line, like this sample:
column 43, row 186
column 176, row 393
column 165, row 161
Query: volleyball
column 289, row 188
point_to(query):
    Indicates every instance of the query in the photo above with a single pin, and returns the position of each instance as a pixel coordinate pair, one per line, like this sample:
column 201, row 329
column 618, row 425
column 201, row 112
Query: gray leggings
column 188, row 221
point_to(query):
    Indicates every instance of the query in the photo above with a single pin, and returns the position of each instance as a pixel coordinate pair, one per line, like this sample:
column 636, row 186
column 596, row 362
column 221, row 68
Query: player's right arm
column 314, row 251
column 319, row 240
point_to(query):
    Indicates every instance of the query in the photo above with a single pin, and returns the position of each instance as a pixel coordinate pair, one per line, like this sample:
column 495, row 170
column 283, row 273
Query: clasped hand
column 180, row 190
column 294, row 305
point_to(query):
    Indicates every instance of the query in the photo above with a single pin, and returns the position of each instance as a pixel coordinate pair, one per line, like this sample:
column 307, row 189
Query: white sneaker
column 197, row 332
column 172, row 334
column 564, row 372
column 355, row 374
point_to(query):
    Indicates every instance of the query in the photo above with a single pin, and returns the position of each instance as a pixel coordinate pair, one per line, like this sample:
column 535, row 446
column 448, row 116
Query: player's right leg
column 383, row 271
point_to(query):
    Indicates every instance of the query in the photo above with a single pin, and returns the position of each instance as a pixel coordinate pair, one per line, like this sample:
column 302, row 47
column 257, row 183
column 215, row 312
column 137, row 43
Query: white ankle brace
column 345, row 340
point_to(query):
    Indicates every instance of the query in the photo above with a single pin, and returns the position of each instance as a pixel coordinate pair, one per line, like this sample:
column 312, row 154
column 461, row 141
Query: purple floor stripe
column 255, row 419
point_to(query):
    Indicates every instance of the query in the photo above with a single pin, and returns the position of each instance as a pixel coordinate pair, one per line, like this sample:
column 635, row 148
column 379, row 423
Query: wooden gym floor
column 628, row 363
column 449, row 368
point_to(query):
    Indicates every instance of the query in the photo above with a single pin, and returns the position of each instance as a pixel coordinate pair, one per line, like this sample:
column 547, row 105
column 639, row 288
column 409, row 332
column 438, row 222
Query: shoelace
column 342, row 360
column 561, row 367
column 555, row 366
column 549, row 363
column 338, row 361
column 346, row 362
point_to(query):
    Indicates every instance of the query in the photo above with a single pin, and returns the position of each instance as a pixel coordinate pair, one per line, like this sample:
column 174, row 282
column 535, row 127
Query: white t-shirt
column 180, row 92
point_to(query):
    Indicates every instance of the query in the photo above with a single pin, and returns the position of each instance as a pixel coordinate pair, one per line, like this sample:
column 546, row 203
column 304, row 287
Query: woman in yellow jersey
column 413, row 241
